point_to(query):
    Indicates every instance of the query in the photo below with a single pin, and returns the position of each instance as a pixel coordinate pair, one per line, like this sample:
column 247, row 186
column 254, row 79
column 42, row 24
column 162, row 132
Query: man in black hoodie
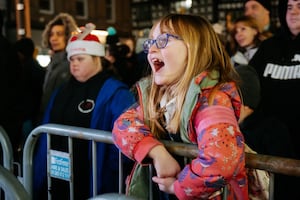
column 277, row 63
column 262, row 134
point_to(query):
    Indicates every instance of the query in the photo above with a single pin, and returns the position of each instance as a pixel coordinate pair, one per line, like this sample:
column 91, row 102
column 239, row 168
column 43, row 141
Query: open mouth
column 158, row 64
column 240, row 41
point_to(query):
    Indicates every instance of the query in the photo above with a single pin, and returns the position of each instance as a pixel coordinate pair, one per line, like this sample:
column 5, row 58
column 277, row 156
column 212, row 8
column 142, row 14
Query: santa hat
column 85, row 43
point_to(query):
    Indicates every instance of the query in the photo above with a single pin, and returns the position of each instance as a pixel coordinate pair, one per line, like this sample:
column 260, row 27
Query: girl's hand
column 165, row 165
column 165, row 184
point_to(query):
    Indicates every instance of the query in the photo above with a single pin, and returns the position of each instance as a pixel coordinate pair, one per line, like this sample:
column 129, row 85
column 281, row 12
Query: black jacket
column 277, row 62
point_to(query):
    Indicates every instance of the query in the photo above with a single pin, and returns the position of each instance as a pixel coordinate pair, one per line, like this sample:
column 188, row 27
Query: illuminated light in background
column 43, row 60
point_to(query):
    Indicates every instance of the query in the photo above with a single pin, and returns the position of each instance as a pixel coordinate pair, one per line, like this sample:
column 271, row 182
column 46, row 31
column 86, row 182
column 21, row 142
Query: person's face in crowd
column 229, row 23
column 168, row 63
column 244, row 35
column 57, row 38
column 293, row 16
column 130, row 44
column 83, row 67
column 257, row 11
column 108, row 56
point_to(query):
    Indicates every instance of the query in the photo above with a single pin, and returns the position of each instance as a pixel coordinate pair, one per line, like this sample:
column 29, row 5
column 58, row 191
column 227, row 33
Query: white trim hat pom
column 85, row 43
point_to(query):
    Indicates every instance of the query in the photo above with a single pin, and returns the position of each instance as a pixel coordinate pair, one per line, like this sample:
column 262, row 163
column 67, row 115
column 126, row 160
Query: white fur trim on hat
column 85, row 47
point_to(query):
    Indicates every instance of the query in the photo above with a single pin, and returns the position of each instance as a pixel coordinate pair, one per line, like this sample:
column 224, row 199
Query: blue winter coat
column 113, row 99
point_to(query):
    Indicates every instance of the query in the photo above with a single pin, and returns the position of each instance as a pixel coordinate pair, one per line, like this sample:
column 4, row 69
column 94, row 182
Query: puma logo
column 296, row 58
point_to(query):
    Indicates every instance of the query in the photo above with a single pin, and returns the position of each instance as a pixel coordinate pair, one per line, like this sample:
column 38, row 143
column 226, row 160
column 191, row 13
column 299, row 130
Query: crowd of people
column 220, row 93
column 269, row 126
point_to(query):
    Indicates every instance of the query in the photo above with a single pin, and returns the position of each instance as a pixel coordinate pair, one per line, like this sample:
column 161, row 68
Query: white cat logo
column 296, row 58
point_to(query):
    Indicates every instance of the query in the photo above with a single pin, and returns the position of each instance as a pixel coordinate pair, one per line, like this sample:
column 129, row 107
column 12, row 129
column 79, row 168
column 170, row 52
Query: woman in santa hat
column 92, row 98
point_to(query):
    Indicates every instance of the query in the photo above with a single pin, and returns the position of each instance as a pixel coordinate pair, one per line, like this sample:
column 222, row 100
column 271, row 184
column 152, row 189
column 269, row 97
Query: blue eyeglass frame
column 149, row 42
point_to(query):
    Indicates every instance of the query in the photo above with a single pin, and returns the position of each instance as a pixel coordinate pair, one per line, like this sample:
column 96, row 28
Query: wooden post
column 27, row 18
column 23, row 25
column 19, row 6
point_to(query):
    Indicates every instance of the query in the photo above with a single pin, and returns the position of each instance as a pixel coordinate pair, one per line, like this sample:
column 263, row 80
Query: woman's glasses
column 161, row 41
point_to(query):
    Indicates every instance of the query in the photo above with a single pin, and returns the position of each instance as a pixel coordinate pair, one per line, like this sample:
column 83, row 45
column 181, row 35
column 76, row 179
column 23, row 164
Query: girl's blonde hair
column 205, row 53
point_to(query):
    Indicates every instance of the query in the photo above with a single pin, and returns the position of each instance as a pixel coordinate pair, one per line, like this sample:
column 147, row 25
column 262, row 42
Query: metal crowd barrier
column 10, row 187
column 13, row 188
column 271, row 164
column 70, row 132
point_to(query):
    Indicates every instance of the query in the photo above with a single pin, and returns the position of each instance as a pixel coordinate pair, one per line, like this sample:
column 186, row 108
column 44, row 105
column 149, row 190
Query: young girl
column 190, row 97
column 247, row 39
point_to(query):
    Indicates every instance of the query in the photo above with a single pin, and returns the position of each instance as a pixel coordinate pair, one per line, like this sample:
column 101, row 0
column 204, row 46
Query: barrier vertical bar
column 94, row 166
column 225, row 193
column 48, row 166
column 7, row 153
column 120, row 173
column 271, row 186
column 71, row 180
column 7, row 150
column 150, row 182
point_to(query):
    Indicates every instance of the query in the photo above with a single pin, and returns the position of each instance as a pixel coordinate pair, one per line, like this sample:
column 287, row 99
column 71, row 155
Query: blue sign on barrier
column 60, row 165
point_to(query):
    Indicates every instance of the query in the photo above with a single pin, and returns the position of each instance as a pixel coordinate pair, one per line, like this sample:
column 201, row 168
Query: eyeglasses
column 161, row 41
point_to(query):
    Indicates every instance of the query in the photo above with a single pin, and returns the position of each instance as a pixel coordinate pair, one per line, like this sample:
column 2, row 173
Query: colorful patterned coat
column 214, row 128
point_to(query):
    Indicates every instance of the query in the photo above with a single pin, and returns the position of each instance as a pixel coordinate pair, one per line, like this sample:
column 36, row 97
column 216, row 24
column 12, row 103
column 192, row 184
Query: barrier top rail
column 273, row 164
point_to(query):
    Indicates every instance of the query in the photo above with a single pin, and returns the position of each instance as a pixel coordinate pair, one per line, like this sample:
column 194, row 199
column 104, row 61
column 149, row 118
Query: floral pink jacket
column 214, row 128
